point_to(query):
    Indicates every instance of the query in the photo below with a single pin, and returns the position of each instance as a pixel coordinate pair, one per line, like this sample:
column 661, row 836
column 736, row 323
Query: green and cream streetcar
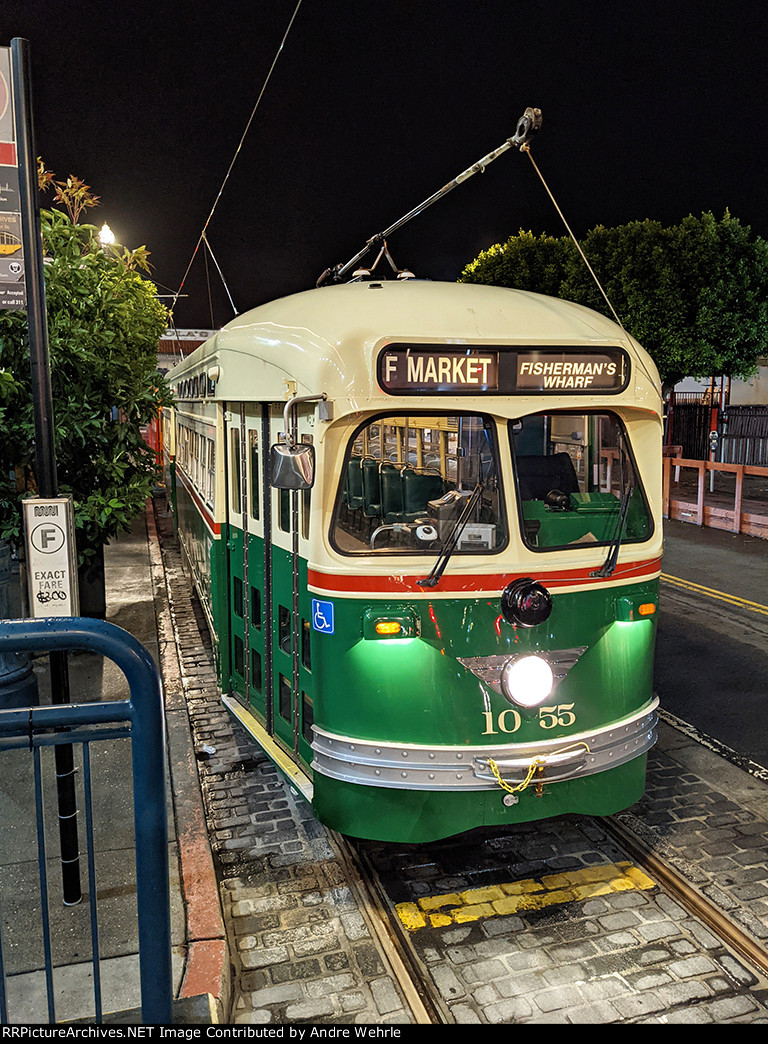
column 424, row 521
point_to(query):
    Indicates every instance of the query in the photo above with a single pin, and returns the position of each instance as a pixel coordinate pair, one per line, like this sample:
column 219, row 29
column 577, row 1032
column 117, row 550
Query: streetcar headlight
column 527, row 681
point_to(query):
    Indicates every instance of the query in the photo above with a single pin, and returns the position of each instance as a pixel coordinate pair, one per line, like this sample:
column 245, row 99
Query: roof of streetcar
column 328, row 339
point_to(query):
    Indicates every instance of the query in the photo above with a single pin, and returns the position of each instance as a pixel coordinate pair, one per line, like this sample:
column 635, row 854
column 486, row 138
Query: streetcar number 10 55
column 509, row 720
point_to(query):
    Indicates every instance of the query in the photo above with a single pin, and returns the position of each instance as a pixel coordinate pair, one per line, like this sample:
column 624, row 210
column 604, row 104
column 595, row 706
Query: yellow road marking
column 743, row 603
column 475, row 904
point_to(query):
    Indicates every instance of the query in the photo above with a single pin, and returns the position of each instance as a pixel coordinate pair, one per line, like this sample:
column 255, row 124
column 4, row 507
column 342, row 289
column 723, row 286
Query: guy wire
column 526, row 148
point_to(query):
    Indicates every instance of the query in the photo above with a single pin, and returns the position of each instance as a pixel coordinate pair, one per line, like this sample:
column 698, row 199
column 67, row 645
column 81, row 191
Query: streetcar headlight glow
column 527, row 681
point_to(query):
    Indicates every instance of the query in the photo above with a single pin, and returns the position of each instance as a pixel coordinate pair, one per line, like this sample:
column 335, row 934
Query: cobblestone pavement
column 302, row 941
column 621, row 956
column 713, row 830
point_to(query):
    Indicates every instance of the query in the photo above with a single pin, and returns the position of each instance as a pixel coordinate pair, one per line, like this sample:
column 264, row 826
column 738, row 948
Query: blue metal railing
column 140, row 718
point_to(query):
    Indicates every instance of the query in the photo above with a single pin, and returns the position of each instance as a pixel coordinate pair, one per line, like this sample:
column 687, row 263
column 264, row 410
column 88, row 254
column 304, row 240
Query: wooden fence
column 737, row 513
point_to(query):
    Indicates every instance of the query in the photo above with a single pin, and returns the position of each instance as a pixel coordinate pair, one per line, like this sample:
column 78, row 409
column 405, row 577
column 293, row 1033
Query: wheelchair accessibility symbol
column 322, row 616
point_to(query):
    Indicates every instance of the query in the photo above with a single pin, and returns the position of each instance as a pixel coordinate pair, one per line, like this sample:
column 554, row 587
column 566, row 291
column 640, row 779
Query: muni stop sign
column 51, row 557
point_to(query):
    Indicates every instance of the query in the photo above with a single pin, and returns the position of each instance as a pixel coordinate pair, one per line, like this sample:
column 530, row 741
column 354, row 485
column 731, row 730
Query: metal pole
column 45, row 452
column 148, row 758
column 527, row 125
column 45, row 459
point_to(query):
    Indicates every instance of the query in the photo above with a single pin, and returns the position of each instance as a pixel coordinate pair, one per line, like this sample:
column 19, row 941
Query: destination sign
column 406, row 370
column 436, row 370
column 543, row 371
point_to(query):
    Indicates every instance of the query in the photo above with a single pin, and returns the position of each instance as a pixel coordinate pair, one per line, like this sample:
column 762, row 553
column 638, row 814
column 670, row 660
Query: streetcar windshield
column 576, row 481
column 407, row 480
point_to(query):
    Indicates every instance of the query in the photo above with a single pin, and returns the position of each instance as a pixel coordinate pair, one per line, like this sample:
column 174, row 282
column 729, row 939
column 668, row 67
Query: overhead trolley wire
column 208, row 288
column 202, row 237
column 526, row 149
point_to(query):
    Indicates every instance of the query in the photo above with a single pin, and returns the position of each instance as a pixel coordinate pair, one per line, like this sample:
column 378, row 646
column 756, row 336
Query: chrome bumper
column 414, row 767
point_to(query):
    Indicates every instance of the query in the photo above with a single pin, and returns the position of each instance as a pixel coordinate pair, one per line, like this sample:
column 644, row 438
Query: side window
column 256, row 608
column 237, row 596
column 234, row 472
column 211, row 484
column 284, row 510
column 305, row 502
column 306, row 499
column 253, row 441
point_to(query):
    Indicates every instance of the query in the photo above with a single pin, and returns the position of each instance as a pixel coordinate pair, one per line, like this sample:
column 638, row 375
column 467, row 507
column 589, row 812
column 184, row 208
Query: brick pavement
column 626, row 956
column 707, row 815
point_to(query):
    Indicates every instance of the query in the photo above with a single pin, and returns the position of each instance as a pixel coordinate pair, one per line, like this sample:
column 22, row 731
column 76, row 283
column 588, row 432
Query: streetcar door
column 249, row 639
column 291, row 680
column 237, row 570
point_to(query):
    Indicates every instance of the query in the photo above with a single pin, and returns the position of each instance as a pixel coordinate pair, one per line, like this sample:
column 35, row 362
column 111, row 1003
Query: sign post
column 45, row 453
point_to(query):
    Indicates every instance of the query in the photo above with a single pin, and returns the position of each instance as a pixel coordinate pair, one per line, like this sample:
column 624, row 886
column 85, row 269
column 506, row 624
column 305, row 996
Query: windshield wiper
column 450, row 544
column 609, row 564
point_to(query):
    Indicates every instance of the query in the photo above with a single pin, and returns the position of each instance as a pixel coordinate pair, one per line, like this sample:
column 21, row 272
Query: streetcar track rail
column 686, row 893
column 414, row 980
column 624, row 829
column 722, row 750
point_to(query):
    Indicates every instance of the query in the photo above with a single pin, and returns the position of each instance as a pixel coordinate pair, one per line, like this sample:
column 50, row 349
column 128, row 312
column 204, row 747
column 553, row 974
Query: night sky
column 651, row 110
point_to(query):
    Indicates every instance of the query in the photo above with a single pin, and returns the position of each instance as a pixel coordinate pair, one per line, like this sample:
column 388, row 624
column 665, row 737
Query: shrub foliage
column 104, row 323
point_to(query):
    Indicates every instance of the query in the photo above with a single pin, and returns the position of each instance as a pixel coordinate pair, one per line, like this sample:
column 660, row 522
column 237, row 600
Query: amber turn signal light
column 389, row 627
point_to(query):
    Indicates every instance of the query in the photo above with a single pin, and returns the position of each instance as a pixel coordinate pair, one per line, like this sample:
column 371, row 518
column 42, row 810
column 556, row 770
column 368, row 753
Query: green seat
column 419, row 487
column 391, row 492
column 371, row 488
column 354, row 484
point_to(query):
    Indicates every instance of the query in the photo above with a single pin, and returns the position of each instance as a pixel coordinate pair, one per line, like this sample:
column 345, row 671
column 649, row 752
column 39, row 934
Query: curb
column 207, row 964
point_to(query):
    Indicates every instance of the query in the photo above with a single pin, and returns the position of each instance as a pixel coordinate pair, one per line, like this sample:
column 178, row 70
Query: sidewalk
column 136, row 602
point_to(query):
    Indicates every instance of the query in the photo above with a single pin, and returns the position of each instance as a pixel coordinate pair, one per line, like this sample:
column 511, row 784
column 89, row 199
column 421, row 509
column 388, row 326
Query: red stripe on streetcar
column 215, row 527
column 346, row 583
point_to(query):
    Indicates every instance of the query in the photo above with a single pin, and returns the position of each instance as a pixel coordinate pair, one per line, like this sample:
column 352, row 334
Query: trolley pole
column 45, row 451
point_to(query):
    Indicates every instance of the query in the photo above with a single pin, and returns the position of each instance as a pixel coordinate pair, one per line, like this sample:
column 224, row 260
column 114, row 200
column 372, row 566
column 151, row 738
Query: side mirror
column 292, row 467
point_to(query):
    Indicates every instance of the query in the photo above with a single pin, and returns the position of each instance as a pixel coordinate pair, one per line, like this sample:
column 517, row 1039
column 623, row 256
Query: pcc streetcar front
column 518, row 684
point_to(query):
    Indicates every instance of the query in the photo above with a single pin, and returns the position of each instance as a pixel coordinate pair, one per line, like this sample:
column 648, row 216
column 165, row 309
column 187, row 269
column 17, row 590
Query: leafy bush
column 695, row 294
column 104, row 324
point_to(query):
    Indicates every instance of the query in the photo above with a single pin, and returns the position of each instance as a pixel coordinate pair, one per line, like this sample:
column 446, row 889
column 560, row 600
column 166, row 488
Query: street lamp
column 106, row 235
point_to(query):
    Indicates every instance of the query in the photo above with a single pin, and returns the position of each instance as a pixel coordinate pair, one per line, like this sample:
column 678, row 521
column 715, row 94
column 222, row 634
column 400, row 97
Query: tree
column 695, row 295
column 104, row 324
